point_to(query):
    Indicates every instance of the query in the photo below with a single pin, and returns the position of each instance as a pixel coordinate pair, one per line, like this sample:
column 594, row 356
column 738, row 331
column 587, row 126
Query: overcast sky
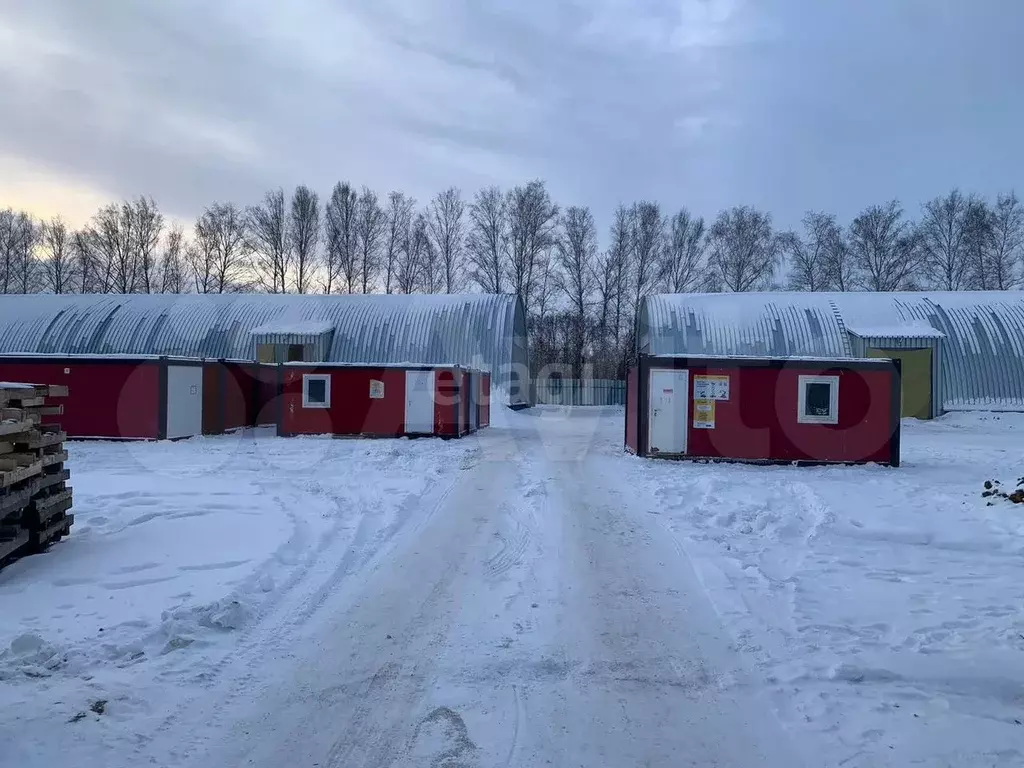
column 782, row 104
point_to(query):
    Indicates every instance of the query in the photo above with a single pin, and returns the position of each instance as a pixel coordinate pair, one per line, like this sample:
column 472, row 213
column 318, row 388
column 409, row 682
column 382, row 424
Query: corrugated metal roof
column 476, row 330
column 983, row 349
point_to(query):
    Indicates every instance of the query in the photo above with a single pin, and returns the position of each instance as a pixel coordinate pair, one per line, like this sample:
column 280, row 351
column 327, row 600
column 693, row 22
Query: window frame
column 306, row 379
column 833, row 404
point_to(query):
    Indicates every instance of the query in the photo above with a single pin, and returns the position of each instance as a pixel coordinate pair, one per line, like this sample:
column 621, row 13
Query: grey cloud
column 783, row 104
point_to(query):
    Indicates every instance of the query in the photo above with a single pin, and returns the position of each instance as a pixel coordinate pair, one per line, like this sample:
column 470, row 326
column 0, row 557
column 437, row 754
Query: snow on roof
column 764, row 358
column 311, row 364
column 484, row 331
column 15, row 385
column 295, row 327
column 914, row 329
column 982, row 358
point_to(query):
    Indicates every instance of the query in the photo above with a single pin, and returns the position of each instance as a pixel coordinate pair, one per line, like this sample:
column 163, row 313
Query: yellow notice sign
column 710, row 387
column 704, row 414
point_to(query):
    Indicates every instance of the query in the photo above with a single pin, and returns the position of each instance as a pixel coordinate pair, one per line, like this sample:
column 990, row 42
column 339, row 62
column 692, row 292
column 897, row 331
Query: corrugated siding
column 982, row 356
column 474, row 329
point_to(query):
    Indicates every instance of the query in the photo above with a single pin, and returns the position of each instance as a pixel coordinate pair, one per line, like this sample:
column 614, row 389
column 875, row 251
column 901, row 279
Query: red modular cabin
column 382, row 401
column 778, row 410
column 122, row 397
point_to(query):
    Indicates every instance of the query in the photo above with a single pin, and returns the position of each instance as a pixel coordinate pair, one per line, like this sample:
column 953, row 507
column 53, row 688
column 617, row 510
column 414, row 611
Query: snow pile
column 882, row 605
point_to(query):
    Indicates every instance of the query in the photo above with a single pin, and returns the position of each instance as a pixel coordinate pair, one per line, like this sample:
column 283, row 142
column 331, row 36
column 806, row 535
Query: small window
column 316, row 391
column 819, row 400
column 296, row 353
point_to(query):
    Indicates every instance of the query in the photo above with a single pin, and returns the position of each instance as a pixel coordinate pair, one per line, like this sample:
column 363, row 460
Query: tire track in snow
column 287, row 612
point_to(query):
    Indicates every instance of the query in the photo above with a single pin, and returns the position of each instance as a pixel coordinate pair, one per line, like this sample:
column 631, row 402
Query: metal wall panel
column 481, row 331
column 979, row 364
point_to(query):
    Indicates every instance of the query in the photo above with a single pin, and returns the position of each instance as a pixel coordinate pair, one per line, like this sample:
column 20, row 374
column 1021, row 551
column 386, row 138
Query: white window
column 819, row 400
column 316, row 391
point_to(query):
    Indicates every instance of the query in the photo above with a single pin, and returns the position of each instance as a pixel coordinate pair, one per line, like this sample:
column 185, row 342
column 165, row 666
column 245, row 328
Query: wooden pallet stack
column 34, row 493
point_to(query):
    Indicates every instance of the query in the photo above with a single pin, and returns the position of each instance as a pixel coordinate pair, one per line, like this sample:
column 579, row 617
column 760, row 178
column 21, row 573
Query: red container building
column 112, row 396
column 779, row 410
column 382, row 401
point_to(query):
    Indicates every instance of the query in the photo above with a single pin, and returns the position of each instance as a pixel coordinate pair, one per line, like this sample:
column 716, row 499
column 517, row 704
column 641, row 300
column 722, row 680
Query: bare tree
column 111, row 235
column 487, row 244
column 576, row 253
column 17, row 242
column 371, row 227
column 26, row 273
column 546, row 283
column 304, row 235
column 621, row 255
column 683, row 267
column 83, row 254
column 342, row 239
column 172, row 263
column 409, row 267
column 532, row 219
column 813, row 262
column 267, row 231
column 447, row 230
column 745, row 249
column 147, row 226
column 431, row 268
column 648, row 242
column 1006, row 257
column 396, row 234
column 219, row 252
column 58, row 256
column 839, row 263
column 943, row 232
column 885, row 248
column 979, row 242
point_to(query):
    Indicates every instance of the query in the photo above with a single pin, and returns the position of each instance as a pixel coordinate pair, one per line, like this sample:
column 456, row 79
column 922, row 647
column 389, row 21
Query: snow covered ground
column 527, row 596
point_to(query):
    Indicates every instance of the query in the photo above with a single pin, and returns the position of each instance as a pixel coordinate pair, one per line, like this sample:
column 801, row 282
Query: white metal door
column 669, row 414
column 419, row 402
column 184, row 400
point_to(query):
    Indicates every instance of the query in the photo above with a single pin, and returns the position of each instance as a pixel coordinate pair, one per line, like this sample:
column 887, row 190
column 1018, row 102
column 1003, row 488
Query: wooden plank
column 8, row 479
column 59, row 527
column 47, row 481
column 44, row 510
column 15, row 427
column 54, row 458
column 33, row 401
column 49, row 410
column 57, row 390
column 17, row 460
column 33, row 440
column 12, row 545
column 15, row 502
column 6, row 447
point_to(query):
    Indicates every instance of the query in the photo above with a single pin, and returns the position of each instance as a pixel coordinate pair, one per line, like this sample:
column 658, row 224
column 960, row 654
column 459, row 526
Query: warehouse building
column 477, row 331
column 958, row 350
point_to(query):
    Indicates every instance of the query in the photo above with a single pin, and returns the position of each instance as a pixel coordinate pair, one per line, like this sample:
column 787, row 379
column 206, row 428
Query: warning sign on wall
column 710, row 387
column 703, row 414
column 376, row 389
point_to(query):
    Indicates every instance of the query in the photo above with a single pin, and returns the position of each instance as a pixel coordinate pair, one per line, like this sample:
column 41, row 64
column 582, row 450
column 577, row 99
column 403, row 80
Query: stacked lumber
column 34, row 493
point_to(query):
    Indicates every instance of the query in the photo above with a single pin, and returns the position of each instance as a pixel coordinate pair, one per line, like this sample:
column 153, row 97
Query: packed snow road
column 527, row 596
column 528, row 619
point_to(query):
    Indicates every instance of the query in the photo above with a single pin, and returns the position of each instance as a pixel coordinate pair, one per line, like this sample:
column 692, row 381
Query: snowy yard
column 884, row 607
column 529, row 594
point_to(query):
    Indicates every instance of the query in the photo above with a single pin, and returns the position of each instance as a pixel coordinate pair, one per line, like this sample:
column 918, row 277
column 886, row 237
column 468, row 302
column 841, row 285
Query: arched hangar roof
column 481, row 330
column 982, row 332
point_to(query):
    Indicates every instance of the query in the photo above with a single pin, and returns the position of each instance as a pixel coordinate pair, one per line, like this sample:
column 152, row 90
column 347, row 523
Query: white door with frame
column 419, row 402
column 669, row 411
column 184, row 401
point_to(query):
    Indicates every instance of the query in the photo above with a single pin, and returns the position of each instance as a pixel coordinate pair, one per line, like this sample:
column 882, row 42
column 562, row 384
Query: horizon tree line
column 581, row 298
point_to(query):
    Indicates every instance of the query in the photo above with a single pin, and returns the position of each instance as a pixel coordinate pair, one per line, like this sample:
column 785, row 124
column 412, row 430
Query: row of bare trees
column 581, row 296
